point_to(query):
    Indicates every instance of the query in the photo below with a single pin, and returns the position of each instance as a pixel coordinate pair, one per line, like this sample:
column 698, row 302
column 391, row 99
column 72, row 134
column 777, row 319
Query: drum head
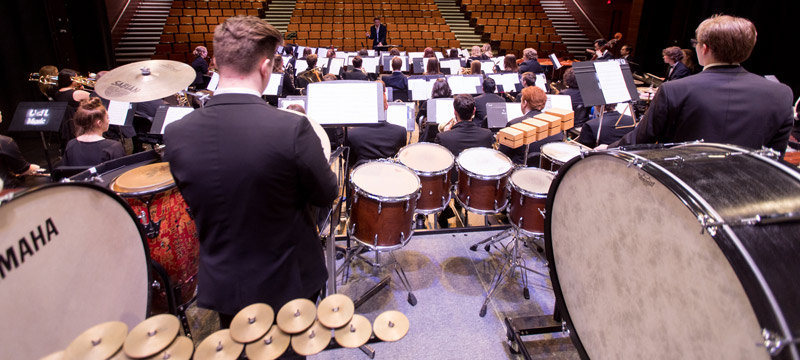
column 385, row 179
column 426, row 157
column 532, row 180
column 637, row 278
column 144, row 178
column 484, row 162
column 561, row 151
column 73, row 257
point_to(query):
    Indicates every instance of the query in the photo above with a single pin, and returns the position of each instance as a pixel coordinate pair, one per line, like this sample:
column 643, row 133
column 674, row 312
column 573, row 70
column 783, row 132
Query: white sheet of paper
column 558, row 102
column 321, row 52
column 118, row 112
column 370, row 64
column 453, row 64
column 555, row 61
column 175, row 113
column 371, row 52
column 425, row 64
column 214, row 82
column 335, row 66
column 275, row 80
column 609, row 74
column 300, row 66
column 286, row 61
column 460, row 84
column 541, row 82
column 345, row 102
column 444, row 110
column 500, row 61
column 513, row 110
column 508, row 80
column 416, row 54
column 344, row 54
column 398, row 114
column 300, row 50
column 285, row 103
column 487, row 67
column 420, row 89
column 438, row 55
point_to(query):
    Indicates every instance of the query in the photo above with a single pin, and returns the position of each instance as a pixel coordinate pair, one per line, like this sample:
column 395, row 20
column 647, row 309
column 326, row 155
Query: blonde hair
column 242, row 41
column 731, row 39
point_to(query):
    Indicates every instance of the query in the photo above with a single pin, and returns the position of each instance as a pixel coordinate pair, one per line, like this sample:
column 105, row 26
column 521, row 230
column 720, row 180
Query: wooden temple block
column 529, row 131
column 554, row 121
column 542, row 128
column 567, row 117
column 511, row 137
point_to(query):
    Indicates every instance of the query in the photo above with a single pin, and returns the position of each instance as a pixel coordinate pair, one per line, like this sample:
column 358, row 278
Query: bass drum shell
column 634, row 276
column 93, row 270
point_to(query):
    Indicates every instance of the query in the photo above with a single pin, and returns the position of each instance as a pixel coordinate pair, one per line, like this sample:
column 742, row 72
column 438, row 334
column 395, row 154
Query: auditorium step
column 458, row 23
column 279, row 13
column 566, row 27
column 143, row 32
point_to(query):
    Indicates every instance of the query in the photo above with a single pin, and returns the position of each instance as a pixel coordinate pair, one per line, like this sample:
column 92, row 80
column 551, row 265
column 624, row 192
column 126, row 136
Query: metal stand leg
column 491, row 240
column 401, row 274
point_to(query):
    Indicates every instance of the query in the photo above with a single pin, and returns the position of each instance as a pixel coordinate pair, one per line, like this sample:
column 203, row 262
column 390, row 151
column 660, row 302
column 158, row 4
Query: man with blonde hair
column 249, row 173
column 724, row 103
column 531, row 62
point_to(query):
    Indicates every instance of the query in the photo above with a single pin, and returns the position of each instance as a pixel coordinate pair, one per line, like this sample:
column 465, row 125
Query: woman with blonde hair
column 90, row 148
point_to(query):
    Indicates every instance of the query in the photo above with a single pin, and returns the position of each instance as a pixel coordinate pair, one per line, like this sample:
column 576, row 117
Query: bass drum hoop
column 695, row 204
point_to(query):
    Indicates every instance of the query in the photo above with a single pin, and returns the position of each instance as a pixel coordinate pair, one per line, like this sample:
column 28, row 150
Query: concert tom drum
column 482, row 180
column 432, row 163
column 689, row 251
column 556, row 154
column 72, row 257
column 385, row 197
column 529, row 188
column 171, row 234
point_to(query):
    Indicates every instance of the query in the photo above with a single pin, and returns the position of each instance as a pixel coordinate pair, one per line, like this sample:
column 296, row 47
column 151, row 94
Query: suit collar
column 225, row 99
column 724, row 69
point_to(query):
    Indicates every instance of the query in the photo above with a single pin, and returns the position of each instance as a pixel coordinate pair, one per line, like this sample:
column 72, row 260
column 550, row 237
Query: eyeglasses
column 694, row 42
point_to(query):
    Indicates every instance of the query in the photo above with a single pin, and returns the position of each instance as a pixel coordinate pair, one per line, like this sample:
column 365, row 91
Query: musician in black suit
column 200, row 66
column 574, row 92
column 615, row 126
column 377, row 33
column 724, row 103
column 488, row 96
column 249, row 173
column 533, row 101
column 465, row 133
column 601, row 50
column 677, row 70
column 531, row 63
column 357, row 73
column 397, row 80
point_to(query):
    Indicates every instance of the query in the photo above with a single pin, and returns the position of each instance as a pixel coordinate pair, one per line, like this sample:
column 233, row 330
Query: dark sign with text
column 38, row 116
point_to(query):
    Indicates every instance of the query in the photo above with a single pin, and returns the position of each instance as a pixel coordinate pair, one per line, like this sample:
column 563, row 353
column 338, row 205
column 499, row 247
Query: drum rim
column 427, row 173
column 480, row 176
column 694, row 203
column 152, row 190
column 557, row 161
column 387, row 199
column 525, row 192
column 118, row 199
column 382, row 248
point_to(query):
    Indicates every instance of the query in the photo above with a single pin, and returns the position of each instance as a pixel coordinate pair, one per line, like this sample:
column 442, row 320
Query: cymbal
column 145, row 80
column 272, row 345
column 355, row 333
column 98, row 342
column 296, row 316
column 152, row 336
column 251, row 323
column 218, row 346
column 391, row 325
column 58, row 355
column 311, row 341
column 180, row 349
column 335, row 311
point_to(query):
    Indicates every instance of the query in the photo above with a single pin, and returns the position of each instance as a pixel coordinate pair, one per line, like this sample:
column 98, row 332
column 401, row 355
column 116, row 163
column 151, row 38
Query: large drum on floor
column 432, row 163
column 555, row 154
column 482, row 180
column 529, row 188
column 71, row 256
column 685, row 252
column 171, row 234
column 385, row 196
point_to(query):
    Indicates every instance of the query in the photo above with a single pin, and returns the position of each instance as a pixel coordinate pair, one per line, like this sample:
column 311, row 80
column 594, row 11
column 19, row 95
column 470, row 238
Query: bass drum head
column 76, row 258
column 634, row 278
column 426, row 157
column 485, row 162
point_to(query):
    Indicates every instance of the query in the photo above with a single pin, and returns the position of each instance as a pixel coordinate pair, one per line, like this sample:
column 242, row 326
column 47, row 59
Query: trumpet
column 87, row 81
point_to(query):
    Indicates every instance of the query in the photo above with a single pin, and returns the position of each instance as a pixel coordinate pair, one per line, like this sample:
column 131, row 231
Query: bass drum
column 686, row 252
column 73, row 256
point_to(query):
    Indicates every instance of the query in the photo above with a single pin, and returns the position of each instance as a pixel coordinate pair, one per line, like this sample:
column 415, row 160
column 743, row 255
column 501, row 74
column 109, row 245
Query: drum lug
column 564, row 328
column 405, row 209
column 444, row 201
column 521, row 200
column 543, row 212
column 380, row 207
column 156, row 285
column 495, row 204
column 498, row 185
column 430, row 193
column 638, row 162
column 775, row 343
column 352, row 228
column 709, row 224
column 355, row 198
column 402, row 236
column 467, row 202
column 677, row 160
column 767, row 152
column 151, row 228
column 520, row 221
column 469, row 181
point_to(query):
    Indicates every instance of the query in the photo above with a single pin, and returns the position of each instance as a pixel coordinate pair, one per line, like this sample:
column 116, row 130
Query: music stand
column 382, row 48
column 605, row 82
column 499, row 114
column 39, row 117
column 346, row 103
column 166, row 115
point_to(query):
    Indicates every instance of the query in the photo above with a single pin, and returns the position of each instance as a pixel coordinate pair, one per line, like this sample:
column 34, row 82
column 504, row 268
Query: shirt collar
column 719, row 64
column 237, row 90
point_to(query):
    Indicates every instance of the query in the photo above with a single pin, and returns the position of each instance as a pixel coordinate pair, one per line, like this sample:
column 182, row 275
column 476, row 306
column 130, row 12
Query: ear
column 266, row 67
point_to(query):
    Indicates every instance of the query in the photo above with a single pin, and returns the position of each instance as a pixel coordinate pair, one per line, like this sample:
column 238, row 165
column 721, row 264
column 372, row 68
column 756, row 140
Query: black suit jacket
column 480, row 107
column 612, row 130
column 464, row 135
column 606, row 56
column 680, row 71
column 722, row 104
column 200, row 66
column 397, row 80
column 530, row 66
column 375, row 141
column 249, row 172
column 380, row 37
column 355, row 74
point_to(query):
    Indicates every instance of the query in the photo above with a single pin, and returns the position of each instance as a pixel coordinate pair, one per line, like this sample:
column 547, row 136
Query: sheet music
column 508, row 80
column 335, row 65
column 441, row 109
column 514, row 110
column 541, row 82
column 401, row 114
column 214, row 82
column 416, row 54
column 322, row 52
column 300, row 65
column 487, row 66
column 558, row 102
column 371, row 52
column 453, row 64
column 175, row 113
column 612, row 84
column 300, row 50
column 425, row 64
column 287, row 61
column 439, row 55
column 118, row 112
column 370, row 64
column 555, row 61
column 421, row 89
column 345, row 54
column 500, row 61
column 465, row 84
column 274, row 84
column 346, row 102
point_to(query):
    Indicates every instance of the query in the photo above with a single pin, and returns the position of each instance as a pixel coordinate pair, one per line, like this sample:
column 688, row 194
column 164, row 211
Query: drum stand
column 512, row 260
column 398, row 269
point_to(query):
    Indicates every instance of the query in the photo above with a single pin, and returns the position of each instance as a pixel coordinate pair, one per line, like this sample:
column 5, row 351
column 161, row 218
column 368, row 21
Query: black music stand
column 592, row 82
column 387, row 47
column 39, row 117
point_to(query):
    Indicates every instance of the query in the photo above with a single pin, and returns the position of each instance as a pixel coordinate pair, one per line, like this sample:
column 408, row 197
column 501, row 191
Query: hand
column 602, row 147
column 367, row 34
column 380, row 44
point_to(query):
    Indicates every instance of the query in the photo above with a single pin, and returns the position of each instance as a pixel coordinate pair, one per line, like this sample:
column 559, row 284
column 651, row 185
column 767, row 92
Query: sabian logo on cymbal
column 118, row 88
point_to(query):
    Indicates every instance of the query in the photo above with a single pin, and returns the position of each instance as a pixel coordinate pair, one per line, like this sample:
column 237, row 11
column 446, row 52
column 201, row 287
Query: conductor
column 377, row 33
column 249, row 173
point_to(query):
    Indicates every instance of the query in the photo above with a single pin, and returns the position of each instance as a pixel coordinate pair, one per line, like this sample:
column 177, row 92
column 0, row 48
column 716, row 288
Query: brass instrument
column 87, row 81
